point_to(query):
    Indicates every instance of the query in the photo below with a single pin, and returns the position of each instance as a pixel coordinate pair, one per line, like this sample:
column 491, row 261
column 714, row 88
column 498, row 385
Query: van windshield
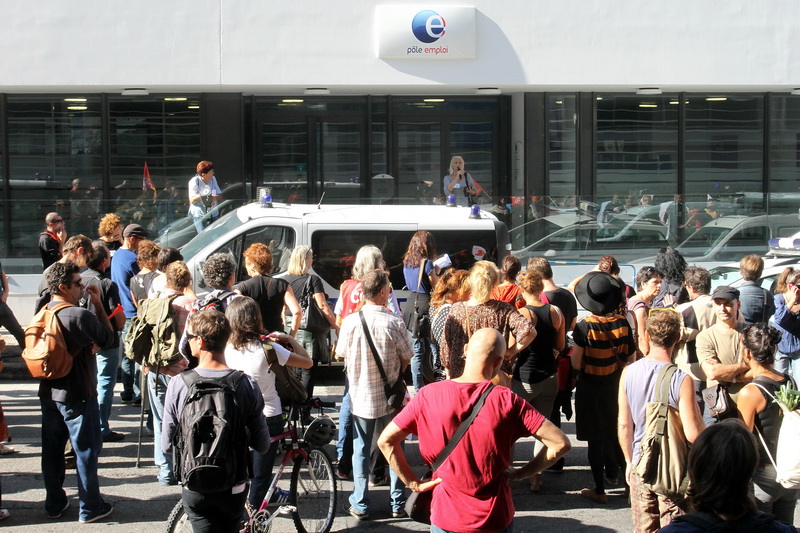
column 210, row 234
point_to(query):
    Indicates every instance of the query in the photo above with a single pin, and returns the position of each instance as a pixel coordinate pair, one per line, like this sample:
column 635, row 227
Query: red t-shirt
column 509, row 293
column 473, row 482
column 350, row 293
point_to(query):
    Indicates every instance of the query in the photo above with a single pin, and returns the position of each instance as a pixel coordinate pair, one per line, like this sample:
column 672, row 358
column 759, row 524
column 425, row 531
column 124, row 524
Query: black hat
column 726, row 292
column 599, row 293
column 134, row 230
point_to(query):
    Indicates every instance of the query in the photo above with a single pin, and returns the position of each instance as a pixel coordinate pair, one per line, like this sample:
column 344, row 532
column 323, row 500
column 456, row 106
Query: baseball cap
column 134, row 230
column 726, row 292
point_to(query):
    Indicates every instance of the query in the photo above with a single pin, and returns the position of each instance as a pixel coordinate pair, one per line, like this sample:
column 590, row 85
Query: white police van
column 336, row 232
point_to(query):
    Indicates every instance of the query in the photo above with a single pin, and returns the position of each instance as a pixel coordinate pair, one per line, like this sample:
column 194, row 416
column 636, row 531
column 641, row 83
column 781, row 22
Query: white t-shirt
column 251, row 360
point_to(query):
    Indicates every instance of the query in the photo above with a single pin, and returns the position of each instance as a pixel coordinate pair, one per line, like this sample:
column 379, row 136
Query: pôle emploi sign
column 420, row 32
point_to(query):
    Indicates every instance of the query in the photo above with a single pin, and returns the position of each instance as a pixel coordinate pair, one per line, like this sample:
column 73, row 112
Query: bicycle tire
column 313, row 490
column 178, row 521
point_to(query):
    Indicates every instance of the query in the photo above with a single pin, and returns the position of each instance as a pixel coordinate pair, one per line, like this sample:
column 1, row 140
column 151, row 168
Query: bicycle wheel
column 178, row 521
column 313, row 489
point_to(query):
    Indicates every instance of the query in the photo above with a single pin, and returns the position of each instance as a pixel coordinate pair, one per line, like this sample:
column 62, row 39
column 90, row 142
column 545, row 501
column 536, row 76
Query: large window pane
column 637, row 148
column 562, row 133
column 284, row 158
column 473, row 141
column 339, row 161
column 55, row 159
column 724, row 145
column 784, row 153
column 419, row 154
column 163, row 132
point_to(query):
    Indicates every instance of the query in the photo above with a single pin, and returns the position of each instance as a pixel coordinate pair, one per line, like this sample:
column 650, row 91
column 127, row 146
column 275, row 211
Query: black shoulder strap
column 373, row 349
column 462, row 429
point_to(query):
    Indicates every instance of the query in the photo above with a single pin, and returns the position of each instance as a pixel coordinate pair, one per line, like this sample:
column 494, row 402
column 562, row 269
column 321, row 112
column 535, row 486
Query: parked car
column 728, row 274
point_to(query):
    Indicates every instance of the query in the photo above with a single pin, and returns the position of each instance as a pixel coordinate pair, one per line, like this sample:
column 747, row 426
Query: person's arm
column 557, row 317
column 641, row 329
column 517, row 324
column 298, row 356
column 291, row 302
column 4, row 280
column 216, row 197
column 256, row 423
column 625, row 427
column 573, row 283
column 556, row 444
column 322, row 304
column 576, row 356
column 100, row 312
column 689, row 411
column 726, row 373
column 750, row 402
column 391, row 444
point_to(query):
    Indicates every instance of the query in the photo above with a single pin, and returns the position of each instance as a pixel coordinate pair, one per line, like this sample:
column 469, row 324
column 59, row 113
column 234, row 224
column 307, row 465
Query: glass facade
column 678, row 160
column 84, row 156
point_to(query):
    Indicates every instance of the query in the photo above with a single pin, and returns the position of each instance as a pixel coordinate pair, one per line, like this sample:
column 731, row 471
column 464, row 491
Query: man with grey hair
column 370, row 410
column 474, row 492
column 219, row 273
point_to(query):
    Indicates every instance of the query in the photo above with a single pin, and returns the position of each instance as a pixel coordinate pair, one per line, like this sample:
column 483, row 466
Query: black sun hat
column 599, row 293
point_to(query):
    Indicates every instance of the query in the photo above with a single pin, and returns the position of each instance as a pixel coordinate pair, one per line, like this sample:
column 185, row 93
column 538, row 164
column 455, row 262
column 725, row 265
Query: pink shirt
column 472, row 476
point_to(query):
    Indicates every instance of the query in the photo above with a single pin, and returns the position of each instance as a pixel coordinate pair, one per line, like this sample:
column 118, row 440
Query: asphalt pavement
column 143, row 505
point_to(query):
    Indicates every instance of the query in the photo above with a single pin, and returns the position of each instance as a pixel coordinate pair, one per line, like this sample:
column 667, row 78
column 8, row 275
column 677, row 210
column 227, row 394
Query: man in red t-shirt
column 475, row 477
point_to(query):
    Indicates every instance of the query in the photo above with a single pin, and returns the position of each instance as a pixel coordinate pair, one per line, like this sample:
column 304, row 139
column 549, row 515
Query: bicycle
column 311, row 498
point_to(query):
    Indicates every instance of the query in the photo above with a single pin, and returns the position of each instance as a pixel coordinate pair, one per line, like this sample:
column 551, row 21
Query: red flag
column 147, row 183
column 477, row 187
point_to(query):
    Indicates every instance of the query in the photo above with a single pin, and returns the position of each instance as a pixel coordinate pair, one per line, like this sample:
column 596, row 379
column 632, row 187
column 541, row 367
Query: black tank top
column 768, row 421
column 537, row 362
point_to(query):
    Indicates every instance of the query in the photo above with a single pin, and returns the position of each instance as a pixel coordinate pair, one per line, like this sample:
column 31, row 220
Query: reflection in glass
column 55, row 164
column 473, row 141
column 784, row 154
column 724, row 145
column 419, row 171
column 339, row 161
column 562, row 134
column 284, row 157
column 637, row 148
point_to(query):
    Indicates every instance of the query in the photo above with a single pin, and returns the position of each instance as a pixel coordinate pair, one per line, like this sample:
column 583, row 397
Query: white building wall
column 280, row 46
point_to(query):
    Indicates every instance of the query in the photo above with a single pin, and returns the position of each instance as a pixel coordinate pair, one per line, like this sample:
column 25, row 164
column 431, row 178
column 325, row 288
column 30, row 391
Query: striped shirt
column 605, row 340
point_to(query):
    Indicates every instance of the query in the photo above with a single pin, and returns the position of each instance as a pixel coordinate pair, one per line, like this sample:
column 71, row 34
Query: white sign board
column 425, row 32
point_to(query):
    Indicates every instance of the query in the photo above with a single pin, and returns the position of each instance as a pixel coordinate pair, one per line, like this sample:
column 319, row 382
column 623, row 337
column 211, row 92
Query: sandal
column 590, row 494
column 536, row 483
column 4, row 514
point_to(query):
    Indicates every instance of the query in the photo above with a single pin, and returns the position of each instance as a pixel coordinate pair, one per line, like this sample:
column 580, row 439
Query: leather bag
column 312, row 320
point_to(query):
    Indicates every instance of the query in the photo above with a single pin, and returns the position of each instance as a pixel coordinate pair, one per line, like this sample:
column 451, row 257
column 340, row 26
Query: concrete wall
column 241, row 45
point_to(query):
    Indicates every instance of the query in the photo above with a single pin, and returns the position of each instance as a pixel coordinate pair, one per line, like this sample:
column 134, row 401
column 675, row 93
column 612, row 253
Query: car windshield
column 723, row 275
column 704, row 239
column 210, row 234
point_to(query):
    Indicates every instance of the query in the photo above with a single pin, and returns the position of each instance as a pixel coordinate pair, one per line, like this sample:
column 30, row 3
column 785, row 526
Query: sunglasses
column 57, row 220
column 190, row 336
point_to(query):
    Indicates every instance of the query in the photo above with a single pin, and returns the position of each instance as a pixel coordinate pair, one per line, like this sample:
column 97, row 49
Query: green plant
column 787, row 397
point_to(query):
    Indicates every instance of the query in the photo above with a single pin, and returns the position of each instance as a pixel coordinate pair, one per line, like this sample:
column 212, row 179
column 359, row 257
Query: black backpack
column 210, row 443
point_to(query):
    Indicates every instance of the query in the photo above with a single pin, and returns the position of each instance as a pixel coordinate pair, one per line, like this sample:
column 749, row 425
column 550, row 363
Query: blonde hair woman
column 459, row 182
column 480, row 311
column 314, row 342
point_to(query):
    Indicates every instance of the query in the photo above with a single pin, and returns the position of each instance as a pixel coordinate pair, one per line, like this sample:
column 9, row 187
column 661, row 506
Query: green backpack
column 153, row 339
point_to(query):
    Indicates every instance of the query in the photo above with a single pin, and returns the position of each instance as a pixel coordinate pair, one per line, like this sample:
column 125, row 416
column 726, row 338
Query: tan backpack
column 45, row 350
column 663, row 450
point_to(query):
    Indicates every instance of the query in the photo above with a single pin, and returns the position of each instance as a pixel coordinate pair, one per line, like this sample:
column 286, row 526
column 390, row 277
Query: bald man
column 475, row 477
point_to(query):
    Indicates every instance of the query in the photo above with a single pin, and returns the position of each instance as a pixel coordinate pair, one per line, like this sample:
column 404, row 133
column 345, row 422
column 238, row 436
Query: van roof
column 432, row 216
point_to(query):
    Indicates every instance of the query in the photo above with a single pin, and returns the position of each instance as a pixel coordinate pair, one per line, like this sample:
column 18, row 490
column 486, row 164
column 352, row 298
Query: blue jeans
column 365, row 432
column 345, row 425
column 130, row 370
column 509, row 529
column 263, row 464
column 107, row 363
column 788, row 363
column 197, row 213
column 420, row 347
column 78, row 422
column 163, row 461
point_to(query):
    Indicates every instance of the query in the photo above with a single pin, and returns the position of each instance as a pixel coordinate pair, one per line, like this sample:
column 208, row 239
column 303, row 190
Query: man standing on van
column 204, row 193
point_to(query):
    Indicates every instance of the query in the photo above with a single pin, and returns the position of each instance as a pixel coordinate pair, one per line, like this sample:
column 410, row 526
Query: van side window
column 335, row 251
column 279, row 239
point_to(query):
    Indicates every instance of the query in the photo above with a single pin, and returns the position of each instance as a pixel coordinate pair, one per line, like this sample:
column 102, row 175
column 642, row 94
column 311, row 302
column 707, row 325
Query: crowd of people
column 498, row 346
